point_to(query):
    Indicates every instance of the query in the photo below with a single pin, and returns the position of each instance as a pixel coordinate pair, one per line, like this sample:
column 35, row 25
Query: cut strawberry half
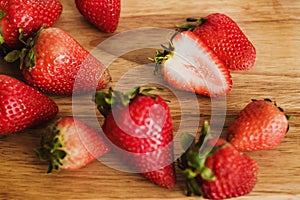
column 190, row 65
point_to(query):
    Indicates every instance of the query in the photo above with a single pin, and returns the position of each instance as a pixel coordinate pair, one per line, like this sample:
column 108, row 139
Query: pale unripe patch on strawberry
column 70, row 145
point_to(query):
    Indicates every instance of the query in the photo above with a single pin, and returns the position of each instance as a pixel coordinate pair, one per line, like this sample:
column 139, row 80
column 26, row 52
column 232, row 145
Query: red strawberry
column 226, row 39
column 216, row 170
column 191, row 65
column 104, row 14
column 70, row 144
column 29, row 16
column 260, row 125
column 55, row 61
column 3, row 7
column 139, row 124
column 22, row 107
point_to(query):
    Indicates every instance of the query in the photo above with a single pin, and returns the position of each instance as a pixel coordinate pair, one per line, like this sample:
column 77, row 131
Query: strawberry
column 3, row 7
column 226, row 39
column 104, row 14
column 215, row 169
column 22, row 106
column 28, row 16
column 70, row 144
column 260, row 125
column 139, row 125
column 190, row 65
column 54, row 62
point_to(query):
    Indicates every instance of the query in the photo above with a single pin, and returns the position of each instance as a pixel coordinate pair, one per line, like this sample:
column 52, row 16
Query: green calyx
column 2, row 14
column 105, row 100
column 191, row 24
column 51, row 150
column 1, row 39
column 192, row 162
column 26, row 55
column 162, row 56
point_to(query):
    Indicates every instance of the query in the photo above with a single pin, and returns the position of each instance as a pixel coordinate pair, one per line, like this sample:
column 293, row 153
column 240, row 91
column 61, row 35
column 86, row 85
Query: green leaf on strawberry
column 70, row 144
column 214, row 169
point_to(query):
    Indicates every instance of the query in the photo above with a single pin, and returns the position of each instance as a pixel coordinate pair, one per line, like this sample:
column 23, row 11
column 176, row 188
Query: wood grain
column 272, row 26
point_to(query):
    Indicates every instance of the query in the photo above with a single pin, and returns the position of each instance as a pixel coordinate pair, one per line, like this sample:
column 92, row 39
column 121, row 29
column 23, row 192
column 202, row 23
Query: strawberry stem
column 21, row 37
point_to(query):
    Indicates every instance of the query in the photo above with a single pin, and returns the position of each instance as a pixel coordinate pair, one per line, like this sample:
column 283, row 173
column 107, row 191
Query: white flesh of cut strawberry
column 192, row 66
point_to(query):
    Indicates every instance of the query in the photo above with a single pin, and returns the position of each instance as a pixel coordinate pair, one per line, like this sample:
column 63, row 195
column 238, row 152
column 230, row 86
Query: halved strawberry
column 70, row 144
column 191, row 65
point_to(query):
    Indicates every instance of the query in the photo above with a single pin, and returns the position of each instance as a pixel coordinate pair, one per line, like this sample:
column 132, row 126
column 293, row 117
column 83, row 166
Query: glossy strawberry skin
column 4, row 5
column 60, row 62
column 22, row 106
column 104, row 14
column 144, row 133
column 235, row 173
column 228, row 41
column 29, row 16
column 260, row 125
column 71, row 144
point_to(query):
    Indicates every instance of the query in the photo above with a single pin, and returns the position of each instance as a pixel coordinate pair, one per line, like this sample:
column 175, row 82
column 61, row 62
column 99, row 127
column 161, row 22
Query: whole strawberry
column 22, row 106
column 104, row 14
column 70, row 144
column 190, row 65
column 56, row 63
column 260, row 125
column 226, row 39
column 139, row 125
column 216, row 170
column 28, row 16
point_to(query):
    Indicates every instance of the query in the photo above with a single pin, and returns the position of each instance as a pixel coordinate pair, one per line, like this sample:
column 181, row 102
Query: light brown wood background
column 272, row 25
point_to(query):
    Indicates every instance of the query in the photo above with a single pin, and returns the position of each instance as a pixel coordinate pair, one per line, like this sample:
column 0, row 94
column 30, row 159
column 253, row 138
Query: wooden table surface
column 272, row 25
